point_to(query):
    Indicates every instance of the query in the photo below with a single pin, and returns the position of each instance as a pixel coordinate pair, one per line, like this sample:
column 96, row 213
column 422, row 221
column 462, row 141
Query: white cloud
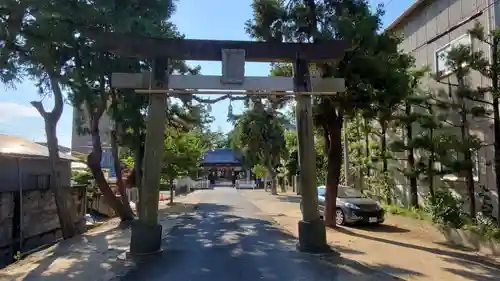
column 10, row 111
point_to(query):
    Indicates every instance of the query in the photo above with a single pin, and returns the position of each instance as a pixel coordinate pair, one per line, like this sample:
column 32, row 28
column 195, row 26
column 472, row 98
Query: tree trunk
column 496, row 124
column 138, row 161
column 61, row 196
column 119, row 180
column 411, row 162
column 385, row 166
column 496, row 117
column 367, row 145
column 94, row 163
column 334, row 156
column 282, row 184
column 360, row 155
column 172, row 191
column 430, row 164
column 274, row 190
column 469, row 174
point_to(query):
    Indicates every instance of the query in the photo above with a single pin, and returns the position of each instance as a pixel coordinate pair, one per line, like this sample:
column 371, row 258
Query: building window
column 40, row 182
column 442, row 53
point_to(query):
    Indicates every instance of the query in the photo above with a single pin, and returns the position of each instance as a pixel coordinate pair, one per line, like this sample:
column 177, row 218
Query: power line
column 388, row 3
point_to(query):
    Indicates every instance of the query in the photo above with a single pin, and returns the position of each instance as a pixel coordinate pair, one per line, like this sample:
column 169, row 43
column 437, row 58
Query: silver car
column 353, row 206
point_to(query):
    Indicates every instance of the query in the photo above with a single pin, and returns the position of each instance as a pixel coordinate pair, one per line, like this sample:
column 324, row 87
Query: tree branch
column 39, row 107
column 58, row 98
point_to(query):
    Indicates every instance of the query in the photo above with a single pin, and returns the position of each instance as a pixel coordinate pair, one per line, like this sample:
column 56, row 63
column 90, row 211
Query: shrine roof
column 221, row 156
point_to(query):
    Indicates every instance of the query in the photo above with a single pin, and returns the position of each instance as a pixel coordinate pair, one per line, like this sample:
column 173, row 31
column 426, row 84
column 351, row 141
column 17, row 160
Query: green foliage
column 375, row 71
column 445, row 208
column 182, row 155
column 411, row 212
column 17, row 256
column 128, row 161
column 260, row 134
column 82, row 177
column 260, row 171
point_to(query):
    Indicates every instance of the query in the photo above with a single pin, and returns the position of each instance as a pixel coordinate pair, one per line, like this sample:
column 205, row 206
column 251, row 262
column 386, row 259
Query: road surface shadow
column 89, row 256
column 379, row 228
column 486, row 269
column 215, row 244
column 289, row 198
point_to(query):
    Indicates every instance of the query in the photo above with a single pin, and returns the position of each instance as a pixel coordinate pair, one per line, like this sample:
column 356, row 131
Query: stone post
column 146, row 232
column 312, row 233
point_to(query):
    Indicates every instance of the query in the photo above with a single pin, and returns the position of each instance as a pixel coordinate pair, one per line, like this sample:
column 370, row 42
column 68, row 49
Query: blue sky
column 221, row 19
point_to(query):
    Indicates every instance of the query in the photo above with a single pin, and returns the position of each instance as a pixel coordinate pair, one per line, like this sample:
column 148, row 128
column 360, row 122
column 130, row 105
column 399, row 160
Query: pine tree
column 490, row 69
column 461, row 102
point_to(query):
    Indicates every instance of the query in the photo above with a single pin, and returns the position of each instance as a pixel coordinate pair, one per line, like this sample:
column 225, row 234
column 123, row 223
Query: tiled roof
column 221, row 156
column 18, row 147
column 62, row 149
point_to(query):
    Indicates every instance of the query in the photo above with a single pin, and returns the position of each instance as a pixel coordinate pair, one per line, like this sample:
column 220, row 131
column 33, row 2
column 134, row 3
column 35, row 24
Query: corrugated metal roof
column 221, row 156
column 18, row 147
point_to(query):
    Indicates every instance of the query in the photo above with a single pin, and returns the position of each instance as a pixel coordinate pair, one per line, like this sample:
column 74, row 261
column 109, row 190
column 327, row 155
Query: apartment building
column 82, row 143
column 431, row 28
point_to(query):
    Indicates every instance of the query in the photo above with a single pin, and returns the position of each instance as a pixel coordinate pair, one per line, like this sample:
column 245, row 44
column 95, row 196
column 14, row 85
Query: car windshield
column 349, row 192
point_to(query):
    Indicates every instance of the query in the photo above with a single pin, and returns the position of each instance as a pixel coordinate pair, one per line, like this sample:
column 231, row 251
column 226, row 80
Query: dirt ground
column 403, row 247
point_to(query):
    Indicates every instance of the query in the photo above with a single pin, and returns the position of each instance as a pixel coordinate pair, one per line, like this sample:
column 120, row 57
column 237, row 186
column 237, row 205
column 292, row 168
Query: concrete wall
column 34, row 219
column 432, row 27
column 34, row 173
column 6, row 225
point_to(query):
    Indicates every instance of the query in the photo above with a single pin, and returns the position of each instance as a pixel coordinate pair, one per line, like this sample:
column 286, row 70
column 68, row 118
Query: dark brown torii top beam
column 130, row 45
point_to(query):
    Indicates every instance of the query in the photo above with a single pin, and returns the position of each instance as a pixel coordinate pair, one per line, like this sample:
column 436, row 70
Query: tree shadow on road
column 214, row 244
column 380, row 228
column 95, row 255
column 486, row 269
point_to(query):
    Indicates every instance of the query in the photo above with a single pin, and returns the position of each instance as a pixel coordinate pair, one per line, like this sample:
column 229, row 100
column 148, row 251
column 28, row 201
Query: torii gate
column 146, row 233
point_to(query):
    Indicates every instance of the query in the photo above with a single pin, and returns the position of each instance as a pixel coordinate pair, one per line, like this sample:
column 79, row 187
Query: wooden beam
column 130, row 45
column 260, row 93
column 271, row 84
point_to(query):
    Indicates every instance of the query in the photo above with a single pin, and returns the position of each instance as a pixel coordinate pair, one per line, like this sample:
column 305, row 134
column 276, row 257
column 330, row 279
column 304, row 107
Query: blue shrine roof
column 221, row 156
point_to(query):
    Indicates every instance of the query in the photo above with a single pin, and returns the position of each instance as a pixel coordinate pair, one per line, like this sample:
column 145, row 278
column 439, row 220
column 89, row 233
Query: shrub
column 445, row 208
column 486, row 205
column 81, row 177
column 411, row 212
column 484, row 226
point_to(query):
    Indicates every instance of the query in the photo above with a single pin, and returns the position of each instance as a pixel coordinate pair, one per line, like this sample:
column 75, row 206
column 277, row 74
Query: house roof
column 221, row 156
column 406, row 14
column 17, row 147
column 62, row 149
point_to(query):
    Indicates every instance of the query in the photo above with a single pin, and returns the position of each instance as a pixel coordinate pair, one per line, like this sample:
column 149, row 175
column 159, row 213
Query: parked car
column 353, row 206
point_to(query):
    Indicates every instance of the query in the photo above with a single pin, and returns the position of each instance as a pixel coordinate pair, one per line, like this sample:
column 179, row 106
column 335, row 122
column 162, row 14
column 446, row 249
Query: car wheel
column 339, row 217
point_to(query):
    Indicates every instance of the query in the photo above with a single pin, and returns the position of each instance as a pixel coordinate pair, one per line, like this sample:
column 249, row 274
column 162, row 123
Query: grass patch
column 414, row 213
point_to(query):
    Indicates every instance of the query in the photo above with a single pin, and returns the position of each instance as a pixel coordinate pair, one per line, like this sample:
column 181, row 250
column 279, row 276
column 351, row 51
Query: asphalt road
column 228, row 238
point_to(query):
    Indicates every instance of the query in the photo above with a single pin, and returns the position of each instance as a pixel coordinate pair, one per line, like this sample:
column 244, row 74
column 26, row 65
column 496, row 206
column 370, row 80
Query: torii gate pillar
column 312, row 234
column 146, row 232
